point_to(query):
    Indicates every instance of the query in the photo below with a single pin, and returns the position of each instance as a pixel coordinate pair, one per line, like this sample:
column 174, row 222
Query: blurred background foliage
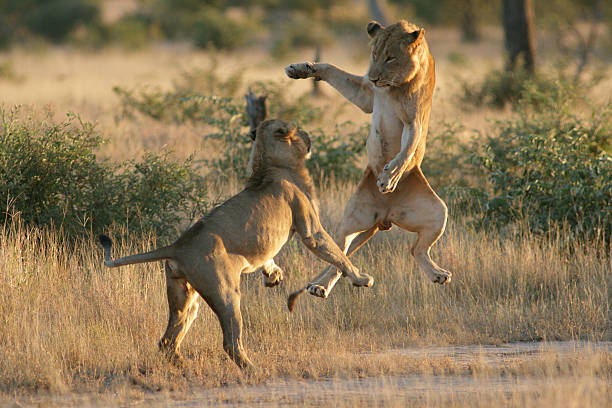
column 547, row 165
column 281, row 24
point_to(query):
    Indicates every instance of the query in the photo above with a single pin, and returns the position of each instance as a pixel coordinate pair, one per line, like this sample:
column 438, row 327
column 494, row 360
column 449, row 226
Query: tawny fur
column 242, row 235
column 397, row 90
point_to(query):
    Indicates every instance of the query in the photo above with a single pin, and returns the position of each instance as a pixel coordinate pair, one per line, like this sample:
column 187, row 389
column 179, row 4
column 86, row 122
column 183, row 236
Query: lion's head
column 399, row 52
column 278, row 144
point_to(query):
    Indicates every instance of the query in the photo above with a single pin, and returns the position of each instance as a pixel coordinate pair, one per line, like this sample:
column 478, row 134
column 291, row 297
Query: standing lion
column 241, row 236
column 397, row 90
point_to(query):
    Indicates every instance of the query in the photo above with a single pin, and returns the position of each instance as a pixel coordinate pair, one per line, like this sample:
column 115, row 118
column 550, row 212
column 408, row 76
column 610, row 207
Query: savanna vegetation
column 141, row 147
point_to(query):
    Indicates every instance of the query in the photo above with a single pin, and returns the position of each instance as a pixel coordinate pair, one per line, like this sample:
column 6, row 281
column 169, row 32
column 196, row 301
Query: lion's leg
column 422, row 211
column 218, row 283
column 183, row 309
column 322, row 285
column 356, row 89
column 359, row 223
column 226, row 305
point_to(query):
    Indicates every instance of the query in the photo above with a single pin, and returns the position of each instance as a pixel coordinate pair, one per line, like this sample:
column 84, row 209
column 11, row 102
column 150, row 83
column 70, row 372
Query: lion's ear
column 413, row 37
column 373, row 27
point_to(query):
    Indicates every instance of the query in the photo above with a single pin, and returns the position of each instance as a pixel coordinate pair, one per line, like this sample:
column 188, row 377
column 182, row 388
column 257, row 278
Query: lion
column 397, row 90
column 241, row 236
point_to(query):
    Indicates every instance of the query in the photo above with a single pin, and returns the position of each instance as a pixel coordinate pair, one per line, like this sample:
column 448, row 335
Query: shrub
column 183, row 103
column 211, row 27
column 551, row 169
column 523, row 91
column 52, row 177
column 334, row 156
column 6, row 33
column 55, row 19
column 299, row 32
column 450, row 168
column 131, row 32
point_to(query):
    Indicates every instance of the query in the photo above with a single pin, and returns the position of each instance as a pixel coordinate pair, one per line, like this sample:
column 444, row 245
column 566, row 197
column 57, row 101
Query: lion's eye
column 280, row 133
column 389, row 59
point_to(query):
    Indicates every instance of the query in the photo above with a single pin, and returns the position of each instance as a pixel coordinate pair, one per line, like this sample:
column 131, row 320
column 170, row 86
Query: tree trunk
column 257, row 111
column 470, row 31
column 316, row 90
column 377, row 12
column 519, row 34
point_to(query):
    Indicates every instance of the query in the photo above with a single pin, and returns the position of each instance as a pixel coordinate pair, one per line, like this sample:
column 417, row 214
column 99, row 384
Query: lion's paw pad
column 442, row 277
column 300, row 71
column 317, row 290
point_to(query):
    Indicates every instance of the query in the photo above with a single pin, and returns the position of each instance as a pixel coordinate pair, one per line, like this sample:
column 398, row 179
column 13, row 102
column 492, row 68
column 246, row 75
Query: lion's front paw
column 388, row 178
column 317, row 290
column 300, row 71
column 274, row 278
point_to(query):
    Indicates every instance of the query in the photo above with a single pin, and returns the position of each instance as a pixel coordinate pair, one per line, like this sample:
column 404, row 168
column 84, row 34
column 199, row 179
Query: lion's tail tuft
column 293, row 298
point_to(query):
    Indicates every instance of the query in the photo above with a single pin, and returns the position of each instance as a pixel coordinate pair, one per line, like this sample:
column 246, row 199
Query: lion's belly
column 265, row 229
column 385, row 138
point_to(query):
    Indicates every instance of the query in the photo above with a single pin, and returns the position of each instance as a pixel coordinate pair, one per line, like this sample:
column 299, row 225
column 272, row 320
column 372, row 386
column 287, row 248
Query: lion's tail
column 156, row 255
column 293, row 298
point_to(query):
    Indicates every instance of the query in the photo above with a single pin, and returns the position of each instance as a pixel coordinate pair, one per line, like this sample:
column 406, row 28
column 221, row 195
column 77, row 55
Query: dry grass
column 69, row 325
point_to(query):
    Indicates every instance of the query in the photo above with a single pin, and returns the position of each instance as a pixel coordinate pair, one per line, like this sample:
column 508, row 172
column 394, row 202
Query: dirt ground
column 494, row 379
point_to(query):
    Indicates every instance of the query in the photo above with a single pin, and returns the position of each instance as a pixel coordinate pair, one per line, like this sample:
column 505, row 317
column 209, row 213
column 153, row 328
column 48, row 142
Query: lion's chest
column 385, row 138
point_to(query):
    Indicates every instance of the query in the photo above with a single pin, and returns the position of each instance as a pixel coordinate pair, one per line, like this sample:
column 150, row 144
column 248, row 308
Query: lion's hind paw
column 317, row 290
column 442, row 277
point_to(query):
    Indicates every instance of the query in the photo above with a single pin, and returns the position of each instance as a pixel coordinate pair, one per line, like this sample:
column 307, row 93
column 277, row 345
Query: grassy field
column 73, row 329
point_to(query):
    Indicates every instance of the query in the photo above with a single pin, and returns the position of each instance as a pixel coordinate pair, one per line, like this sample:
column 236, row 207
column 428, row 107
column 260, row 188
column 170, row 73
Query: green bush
column 6, row 33
column 55, row 19
column 522, row 90
column 551, row 169
column 450, row 168
column 183, row 102
column 299, row 32
column 131, row 32
column 211, row 27
column 52, row 177
column 500, row 88
column 334, row 155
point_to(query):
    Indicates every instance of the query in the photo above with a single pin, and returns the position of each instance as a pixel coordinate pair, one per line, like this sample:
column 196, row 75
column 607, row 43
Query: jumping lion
column 241, row 236
column 397, row 90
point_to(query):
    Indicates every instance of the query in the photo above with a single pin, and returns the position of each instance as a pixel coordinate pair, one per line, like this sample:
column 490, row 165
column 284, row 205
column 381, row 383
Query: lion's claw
column 387, row 180
column 274, row 278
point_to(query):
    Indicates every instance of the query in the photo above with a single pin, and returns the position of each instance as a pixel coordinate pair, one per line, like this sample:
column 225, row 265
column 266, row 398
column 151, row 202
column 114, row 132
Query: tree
column 376, row 10
column 519, row 34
